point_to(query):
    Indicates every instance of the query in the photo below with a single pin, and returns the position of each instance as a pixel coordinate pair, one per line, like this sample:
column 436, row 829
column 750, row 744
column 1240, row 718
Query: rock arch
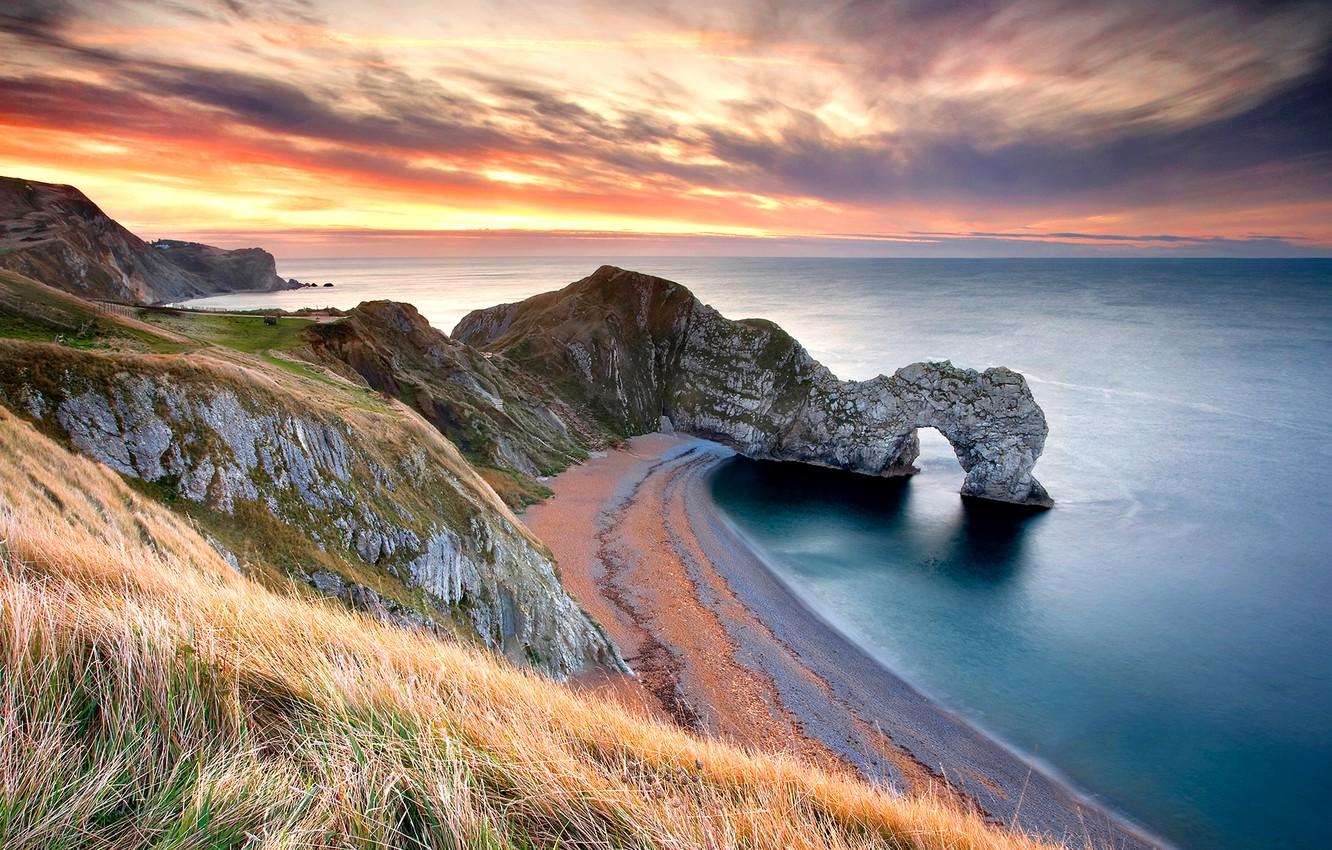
column 751, row 386
column 626, row 349
column 991, row 420
column 996, row 429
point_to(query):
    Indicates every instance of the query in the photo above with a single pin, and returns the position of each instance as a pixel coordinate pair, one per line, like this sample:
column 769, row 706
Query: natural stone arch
column 996, row 429
column 627, row 349
column 750, row 385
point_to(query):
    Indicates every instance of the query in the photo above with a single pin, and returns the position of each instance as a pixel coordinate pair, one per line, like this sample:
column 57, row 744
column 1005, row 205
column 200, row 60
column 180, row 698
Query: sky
column 617, row 127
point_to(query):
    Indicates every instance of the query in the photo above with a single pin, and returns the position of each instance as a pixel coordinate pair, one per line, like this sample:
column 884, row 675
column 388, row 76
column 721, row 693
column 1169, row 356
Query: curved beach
column 722, row 645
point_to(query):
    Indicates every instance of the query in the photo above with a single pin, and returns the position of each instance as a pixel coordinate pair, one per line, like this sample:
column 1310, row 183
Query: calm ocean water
column 1163, row 637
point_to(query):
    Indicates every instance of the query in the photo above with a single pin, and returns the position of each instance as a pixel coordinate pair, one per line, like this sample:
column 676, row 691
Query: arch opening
column 936, row 456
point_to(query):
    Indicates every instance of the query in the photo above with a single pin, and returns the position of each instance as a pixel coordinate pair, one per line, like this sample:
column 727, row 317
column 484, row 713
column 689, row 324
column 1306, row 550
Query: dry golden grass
column 152, row 697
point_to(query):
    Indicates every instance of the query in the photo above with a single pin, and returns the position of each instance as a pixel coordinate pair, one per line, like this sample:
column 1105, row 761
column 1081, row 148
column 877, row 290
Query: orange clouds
column 1031, row 122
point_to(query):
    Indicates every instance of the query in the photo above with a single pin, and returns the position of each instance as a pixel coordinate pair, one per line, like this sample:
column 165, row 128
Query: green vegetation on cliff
column 181, row 492
column 300, row 474
column 31, row 311
column 514, row 428
column 57, row 235
column 625, row 349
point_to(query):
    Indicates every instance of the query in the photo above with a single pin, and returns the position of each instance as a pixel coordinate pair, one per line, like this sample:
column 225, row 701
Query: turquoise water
column 1163, row 637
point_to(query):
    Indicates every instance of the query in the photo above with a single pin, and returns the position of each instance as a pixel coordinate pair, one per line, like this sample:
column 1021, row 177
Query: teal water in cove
column 1163, row 637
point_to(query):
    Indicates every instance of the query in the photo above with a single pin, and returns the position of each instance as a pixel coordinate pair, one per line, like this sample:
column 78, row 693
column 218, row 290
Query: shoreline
column 721, row 644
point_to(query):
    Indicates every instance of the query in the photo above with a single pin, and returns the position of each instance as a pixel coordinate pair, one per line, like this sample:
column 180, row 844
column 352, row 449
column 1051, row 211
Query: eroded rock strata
column 381, row 497
column 613, row 355
column 225, row 270
column 628, row 351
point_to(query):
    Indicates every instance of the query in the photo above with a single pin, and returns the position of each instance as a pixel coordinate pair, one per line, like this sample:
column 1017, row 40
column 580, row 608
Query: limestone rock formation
column 55, row 234
column 625, row 349
column 367, row 496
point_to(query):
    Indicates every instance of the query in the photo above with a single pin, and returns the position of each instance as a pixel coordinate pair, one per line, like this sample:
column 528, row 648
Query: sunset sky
column 912, row 128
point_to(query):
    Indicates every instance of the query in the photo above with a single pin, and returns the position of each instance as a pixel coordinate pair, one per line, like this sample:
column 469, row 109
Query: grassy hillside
column 151, row 696
column 302, row 475
column 34, row 312
column 31, row 311
column 252, row 334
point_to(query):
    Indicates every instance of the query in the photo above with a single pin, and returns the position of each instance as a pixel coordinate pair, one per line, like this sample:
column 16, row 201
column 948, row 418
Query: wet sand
column 723, row 646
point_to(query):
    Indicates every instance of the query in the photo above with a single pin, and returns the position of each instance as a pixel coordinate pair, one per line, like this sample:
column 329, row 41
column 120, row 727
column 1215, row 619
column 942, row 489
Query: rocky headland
column 235, row 270
column 294, row 473
column 314, row 433
column 634, row 352
column 526, row 389
column 503, row 418
column 57, row 235
column 352, row 498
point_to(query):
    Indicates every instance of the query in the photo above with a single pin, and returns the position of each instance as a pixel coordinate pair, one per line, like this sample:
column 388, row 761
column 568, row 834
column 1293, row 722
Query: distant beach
column 721, row 644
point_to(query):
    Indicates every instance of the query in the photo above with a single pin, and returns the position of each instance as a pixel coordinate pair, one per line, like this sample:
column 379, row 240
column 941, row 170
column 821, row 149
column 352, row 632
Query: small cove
column 1161, row 637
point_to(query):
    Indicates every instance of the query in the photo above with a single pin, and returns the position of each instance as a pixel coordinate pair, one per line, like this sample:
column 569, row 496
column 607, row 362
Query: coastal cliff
column 150, row 693
column 300, row 475
column 236, row 270
column 526, row 389
column 631, row 352
column 57, row 235
column 368, row 457
column 503, row 418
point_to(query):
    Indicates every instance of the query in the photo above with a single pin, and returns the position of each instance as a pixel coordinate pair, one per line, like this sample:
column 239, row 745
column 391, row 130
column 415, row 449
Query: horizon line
column 1118, row 258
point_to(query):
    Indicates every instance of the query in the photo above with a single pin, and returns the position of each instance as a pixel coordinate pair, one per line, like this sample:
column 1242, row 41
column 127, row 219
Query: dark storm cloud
column 419, row 118
column 33, row 26
column 38, row 14
column 301, row 11
column 411, row 116
column 906, row 40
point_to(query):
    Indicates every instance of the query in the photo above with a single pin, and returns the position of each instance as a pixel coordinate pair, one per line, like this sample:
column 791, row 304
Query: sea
column 1161, row 638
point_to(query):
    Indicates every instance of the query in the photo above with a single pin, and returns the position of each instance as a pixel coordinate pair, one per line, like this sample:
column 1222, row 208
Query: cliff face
column 367, row 504
column 55, row 234
column 500, row 416
column 627, row 350
column 225, row 271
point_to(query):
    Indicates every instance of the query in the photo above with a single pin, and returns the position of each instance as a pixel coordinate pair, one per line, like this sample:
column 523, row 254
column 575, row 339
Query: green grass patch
column 248, row 334
column 32, row 312
column 17, row 327
column 89, row 334
column 263, row 336
column 364, row 398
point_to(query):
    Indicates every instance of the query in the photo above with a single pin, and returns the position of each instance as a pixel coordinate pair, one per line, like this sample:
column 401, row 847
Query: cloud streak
column 956, row 121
